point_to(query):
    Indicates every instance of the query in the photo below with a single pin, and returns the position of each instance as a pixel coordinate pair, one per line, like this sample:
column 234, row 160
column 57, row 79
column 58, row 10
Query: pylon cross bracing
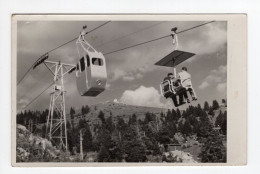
column 56, row 128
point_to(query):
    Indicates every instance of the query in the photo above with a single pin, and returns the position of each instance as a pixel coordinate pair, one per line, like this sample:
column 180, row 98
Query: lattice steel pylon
column 56, row 128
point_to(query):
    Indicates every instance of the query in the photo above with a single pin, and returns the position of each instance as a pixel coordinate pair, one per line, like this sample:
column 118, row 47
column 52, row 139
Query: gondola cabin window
column 97, row 61
column 88, row 61
column 82, row 64
column 77, row 70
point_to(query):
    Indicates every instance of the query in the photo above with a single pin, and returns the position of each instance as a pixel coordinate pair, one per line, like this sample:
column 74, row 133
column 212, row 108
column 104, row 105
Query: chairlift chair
column 188, row 86
column 167, row 88
column 91, row 71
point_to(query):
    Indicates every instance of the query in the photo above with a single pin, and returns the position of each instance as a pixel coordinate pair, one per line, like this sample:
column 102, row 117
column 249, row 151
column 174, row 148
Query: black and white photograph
column 121, row 91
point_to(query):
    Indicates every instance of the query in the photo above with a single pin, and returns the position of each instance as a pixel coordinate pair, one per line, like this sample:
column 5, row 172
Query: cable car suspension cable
column 142, row 43
column 38, row 96
column 145, row 28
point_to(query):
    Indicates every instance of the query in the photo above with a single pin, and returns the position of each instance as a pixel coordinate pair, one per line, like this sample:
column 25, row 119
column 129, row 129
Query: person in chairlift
column 185, row 79
column 174, row 98
column 175, row 82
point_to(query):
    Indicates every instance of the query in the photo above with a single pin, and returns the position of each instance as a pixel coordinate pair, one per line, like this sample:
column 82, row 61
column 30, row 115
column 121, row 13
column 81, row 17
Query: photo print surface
column 121, row 91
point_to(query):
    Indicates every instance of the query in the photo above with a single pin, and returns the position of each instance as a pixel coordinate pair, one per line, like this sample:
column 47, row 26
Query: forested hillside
column 115, row 132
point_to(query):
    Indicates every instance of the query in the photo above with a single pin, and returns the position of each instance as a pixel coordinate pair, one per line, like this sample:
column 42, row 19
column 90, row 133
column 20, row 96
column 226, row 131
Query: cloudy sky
column 132, row 76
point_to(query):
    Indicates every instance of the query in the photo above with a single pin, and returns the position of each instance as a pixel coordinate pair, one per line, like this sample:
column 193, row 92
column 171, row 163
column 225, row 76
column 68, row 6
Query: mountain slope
column 116, row 110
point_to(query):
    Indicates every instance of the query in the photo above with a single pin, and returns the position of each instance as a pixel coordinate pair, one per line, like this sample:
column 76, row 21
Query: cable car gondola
column 91, row 73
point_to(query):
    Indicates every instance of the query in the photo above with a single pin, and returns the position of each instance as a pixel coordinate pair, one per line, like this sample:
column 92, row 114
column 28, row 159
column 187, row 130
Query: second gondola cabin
column 91, row 72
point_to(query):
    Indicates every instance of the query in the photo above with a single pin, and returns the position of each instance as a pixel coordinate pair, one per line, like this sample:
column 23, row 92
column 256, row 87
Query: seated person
column 168, row 77
column 185, row 79
column 177, row 88
column 183, row 94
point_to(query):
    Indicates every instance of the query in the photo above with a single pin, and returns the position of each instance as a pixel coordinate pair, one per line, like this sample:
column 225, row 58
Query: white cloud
column 117, row 73
column 204, row 85
column 115, row 101
column 221, row 69
column 22, row 103
column 126, row 76
column 142, row 96
column 217, row 77
column 222, row 87
column 213, row 78
column 139, row 75
column 210, row 39
column 169, row 104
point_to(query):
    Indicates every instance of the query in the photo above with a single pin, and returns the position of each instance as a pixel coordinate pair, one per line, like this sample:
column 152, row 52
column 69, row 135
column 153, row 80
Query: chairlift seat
column 172, row 87
column 166, row 89
column 187, row 85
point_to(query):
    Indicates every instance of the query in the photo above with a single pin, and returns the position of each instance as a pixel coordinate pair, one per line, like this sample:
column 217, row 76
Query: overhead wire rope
column 142, row 43
column 145, row 28
column 36, row 84
column 37, row 96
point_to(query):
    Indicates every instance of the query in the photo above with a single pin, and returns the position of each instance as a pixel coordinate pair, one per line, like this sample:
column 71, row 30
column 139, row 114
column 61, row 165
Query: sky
column 132, row 76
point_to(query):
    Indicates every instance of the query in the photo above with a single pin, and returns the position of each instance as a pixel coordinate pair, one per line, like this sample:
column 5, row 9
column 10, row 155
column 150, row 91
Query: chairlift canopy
column 174, row 58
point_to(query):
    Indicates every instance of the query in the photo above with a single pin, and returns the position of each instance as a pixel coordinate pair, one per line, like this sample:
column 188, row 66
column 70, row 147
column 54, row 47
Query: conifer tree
column 133, row 146
column 205, row 126
column 215, row 105
column 174, row 115
column 170, row 125
column 178, row 113
column 72, row 111
column 211, row 111
column 223, row 102
column 87, row 109
column 121, row 127
column 82, row 110
column 180, row 126
column 87, row 139
column 186, row 129
column 101, row 116
column 213, row 150
column 132, row 120
column 164, row 137
column 219, row 119
column 149, row 117
column 206, row 106
column 103, row 154
column 224, row 123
